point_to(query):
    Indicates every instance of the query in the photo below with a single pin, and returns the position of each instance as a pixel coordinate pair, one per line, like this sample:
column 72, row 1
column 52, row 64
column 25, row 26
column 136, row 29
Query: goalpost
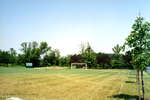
column 82, row 64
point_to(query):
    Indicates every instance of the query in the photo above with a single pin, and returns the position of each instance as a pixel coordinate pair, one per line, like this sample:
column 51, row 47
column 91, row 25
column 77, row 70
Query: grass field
column 69, row 84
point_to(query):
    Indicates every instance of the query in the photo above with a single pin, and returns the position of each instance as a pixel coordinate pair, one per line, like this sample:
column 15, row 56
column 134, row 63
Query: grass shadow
column 126, row 96
column 129, row 82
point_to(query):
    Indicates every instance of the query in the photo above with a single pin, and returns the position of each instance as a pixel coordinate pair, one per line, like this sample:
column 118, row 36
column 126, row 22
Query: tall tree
column 24, row 47
column 88, row 55
column 57, row 56
column 52, row 58
column 31, row 52
column 82, row 47
column 12, row 55
column 44, row 47
column 138, row 44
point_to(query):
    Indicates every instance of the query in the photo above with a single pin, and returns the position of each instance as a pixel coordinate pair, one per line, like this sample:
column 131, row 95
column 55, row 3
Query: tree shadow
column 129, row 82
column 126, row 96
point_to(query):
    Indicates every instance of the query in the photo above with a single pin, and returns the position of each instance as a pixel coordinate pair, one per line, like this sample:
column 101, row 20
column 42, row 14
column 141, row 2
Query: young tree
column 117, row 49
column 137, row 43
column 118, row 61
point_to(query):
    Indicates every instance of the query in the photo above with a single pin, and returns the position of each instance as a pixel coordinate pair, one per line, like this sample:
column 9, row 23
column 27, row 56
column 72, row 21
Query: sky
column 65, row 24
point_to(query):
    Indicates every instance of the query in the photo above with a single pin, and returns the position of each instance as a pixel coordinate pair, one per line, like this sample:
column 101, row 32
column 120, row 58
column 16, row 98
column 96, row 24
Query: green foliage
column 118, row 64
column 104, row 60
column 8, row 57
column 52, row 58
column 65, row 61
column 127, row 60
column 117, row 49
column 88, row 55
column 138, row 44
column 32, row 52
column 4, row 57
column 44, row 47
column 12, row 56
column 43, row 55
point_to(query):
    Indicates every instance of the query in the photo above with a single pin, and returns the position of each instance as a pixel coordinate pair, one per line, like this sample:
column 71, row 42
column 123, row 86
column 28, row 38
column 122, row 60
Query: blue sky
column 64, row 24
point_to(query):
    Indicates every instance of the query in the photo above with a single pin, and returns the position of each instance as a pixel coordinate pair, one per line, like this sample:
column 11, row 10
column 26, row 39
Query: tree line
column 41, row 54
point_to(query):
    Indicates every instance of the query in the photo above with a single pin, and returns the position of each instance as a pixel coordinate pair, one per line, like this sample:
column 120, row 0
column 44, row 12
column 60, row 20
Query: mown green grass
column 69, row 84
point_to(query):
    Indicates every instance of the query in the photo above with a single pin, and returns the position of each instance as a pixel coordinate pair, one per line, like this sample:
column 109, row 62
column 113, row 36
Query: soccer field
column 69, row 84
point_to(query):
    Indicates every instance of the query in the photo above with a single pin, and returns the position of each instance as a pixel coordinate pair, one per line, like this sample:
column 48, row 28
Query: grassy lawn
column 69, row 84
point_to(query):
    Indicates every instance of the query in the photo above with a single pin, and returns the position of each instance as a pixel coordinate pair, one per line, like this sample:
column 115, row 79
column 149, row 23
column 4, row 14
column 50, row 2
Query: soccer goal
column 78, row 65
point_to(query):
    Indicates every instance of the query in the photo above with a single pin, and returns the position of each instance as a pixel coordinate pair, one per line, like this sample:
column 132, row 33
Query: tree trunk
column 136, row 77
column 142, row 84
column 138, row 81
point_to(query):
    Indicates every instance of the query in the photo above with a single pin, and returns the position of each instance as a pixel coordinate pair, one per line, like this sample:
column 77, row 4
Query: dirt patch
column 14, row 98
